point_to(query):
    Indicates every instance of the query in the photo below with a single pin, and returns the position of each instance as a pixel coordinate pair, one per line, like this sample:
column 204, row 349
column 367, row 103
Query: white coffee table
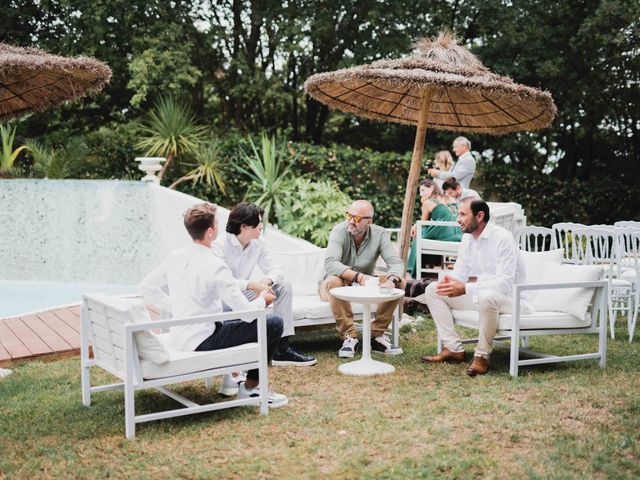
column 367, row 296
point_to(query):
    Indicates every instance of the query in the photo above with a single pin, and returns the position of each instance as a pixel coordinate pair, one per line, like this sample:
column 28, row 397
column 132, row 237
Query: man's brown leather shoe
column 444, row 356
column 479, row 366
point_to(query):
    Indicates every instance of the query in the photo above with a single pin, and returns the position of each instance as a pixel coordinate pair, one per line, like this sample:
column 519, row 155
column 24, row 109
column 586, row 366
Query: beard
column 473, row 225
column 353, row 229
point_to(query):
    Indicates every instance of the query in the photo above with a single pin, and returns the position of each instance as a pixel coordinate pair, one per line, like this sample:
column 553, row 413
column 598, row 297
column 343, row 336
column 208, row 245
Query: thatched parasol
column 444, row 87
column 33, row 80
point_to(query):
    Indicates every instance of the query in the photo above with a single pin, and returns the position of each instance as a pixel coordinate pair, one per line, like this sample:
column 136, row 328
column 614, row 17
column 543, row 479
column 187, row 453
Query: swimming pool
column 23, row 297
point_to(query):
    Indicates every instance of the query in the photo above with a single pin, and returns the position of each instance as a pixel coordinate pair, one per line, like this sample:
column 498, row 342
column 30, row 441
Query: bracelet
column 355, row 278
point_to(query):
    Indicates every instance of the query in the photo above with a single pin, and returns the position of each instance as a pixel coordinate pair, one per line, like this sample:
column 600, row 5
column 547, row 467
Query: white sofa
column 556, row 300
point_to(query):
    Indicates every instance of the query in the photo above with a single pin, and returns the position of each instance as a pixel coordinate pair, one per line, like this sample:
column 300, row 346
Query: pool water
column 22, row 297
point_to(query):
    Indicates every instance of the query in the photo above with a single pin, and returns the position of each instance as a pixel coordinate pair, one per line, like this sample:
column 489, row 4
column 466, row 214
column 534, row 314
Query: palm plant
column 171, row 129
column 269, row 176
column 64, row 162
column 207, row 168
column 8, row 155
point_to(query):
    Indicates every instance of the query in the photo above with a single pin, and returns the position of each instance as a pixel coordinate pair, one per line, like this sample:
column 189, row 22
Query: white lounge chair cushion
column 311, row 306
column 440, row 246
column 302, row 269
column 540, row 320
column 629, row 275
column 532, row 260
column 182, row 362
column 573, row 301
column 149, row 348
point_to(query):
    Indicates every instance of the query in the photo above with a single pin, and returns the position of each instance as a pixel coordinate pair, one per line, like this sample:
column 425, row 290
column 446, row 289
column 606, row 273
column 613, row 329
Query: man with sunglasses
column 353, row 249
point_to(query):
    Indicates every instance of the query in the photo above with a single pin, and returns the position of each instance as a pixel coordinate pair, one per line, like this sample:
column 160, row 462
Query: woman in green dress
column 434, row 207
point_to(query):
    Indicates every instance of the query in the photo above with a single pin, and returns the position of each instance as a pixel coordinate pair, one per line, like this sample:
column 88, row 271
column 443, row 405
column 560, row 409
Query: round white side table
column 367, row 296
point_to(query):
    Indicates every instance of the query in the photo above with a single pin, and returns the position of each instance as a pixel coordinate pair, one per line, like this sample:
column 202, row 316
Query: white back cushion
column 149, row 347
column 573, row 301
column 533, row 260
column 304, row 270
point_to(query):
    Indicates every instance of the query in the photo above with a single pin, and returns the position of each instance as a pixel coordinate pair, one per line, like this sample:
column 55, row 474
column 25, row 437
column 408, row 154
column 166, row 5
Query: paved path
column 45, row 333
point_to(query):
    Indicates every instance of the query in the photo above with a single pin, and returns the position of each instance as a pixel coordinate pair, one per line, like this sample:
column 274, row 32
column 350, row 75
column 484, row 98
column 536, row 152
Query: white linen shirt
column 242, row 261
column 494, row 258
column 191, row 281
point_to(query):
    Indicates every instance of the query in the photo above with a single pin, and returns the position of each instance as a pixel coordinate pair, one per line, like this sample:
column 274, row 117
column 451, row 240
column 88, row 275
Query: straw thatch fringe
column 467, row 96
column 33, row 80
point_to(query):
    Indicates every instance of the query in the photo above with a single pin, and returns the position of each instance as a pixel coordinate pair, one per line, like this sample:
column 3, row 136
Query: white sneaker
column 349, row 347
column 276, row 400
column 229, row 385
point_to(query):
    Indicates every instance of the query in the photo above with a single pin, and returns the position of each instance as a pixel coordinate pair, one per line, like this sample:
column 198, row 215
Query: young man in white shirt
column 464, row 168
column 489, row 263
column 191, row 281
column 242, row 249
column 453, row 189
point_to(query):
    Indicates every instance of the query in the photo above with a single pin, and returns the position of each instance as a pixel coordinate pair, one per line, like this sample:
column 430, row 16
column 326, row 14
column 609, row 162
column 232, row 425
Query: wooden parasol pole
column 414, row 175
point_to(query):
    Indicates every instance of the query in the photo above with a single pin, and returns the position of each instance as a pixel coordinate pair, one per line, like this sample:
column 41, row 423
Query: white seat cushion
column 440, row 246
column 311, row 306
column 541, row 320
column 182, row 362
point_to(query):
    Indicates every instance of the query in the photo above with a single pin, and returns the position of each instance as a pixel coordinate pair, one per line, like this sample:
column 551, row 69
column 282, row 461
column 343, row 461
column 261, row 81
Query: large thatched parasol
column 443, row 86
column 33, row 80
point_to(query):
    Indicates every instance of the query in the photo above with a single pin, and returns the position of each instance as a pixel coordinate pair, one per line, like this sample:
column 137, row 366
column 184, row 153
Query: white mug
column 372, row 282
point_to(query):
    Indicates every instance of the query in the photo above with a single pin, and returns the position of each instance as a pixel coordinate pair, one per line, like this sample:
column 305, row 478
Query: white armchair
column 561, row 300
column 123, row 344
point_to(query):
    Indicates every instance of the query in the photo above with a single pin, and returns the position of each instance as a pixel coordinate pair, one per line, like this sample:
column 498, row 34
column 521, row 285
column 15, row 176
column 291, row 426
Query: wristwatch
column 395, row 279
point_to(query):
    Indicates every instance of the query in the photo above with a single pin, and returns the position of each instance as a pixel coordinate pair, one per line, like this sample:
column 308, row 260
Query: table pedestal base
column 365, row 367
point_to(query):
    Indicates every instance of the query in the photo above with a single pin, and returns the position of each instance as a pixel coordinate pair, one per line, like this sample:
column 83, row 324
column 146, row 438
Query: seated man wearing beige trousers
column 352, row 252
column 489, row 263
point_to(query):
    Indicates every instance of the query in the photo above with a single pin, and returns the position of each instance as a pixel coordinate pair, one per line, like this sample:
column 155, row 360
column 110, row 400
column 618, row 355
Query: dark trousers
column 236, row 332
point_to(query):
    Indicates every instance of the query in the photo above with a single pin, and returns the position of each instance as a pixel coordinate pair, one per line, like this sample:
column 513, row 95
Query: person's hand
column 388, row 284
column 413, row 231
column 434, row 172
column 450, row 287
column 259, row 287
column 268, row 297
column 363, row 279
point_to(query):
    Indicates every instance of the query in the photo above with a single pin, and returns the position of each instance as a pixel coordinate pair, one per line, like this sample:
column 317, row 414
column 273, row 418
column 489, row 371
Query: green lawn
column 424, row 421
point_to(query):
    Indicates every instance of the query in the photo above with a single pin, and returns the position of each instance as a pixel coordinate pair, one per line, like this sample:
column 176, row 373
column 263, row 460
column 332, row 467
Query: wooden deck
column 54, row 332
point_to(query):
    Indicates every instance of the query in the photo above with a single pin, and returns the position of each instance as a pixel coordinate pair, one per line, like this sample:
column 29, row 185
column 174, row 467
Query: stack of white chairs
column 535, row 239
column 600, row 245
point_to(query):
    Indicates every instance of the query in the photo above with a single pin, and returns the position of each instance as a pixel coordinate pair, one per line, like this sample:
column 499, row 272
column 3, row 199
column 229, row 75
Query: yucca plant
column 170, row 130
column 268, row 174
column 63, row 162
column 8, row 155
column 207, row 168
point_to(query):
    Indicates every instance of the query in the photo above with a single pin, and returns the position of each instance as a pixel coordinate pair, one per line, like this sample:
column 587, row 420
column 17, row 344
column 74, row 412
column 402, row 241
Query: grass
column 570, row 420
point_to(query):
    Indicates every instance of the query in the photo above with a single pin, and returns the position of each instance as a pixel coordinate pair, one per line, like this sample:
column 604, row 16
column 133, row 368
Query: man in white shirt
column 489, row 263
column 191, row 281
column 242, row 249
column 465, row 167
column 453, row 189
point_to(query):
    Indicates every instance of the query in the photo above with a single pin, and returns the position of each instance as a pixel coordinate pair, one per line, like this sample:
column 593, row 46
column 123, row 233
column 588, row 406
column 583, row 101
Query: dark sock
column 283, row 345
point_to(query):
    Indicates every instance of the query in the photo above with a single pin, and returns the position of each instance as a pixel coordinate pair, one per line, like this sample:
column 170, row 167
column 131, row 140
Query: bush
column 313, row 209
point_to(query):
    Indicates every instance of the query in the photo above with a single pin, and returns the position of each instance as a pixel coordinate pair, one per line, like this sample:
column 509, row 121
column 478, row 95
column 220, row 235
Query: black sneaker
column 381, row 345
column 292, row 358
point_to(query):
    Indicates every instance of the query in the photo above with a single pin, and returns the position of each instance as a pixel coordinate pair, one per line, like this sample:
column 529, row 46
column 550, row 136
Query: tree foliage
column 242, row 65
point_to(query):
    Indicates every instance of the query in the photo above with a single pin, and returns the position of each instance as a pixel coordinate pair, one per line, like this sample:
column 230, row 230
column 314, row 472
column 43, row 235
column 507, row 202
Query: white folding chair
column 627, row 223
column 562, row 234
column 535, row 239
column 629, row 268
column 600, row 246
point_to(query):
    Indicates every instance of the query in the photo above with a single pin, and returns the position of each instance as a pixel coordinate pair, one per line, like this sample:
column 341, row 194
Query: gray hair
column 464, row 140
